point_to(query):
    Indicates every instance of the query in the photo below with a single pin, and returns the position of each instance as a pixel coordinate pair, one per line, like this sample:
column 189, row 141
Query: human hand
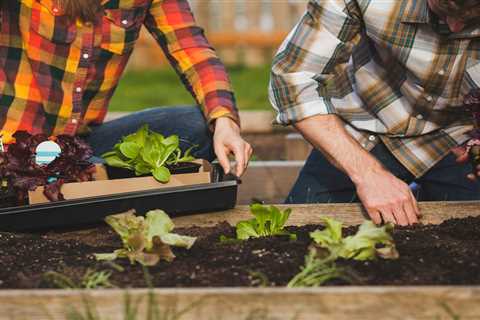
column 227, row 140
column 386, row 197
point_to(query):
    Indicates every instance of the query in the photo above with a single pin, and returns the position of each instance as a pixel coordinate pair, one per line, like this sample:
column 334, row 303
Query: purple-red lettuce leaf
column 18, row 166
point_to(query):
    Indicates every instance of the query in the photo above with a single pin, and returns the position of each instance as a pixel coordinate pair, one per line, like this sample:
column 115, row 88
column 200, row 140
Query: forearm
column 172, row 24
column 328, row 134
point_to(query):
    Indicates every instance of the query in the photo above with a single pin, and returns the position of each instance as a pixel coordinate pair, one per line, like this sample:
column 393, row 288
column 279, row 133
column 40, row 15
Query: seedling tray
column 218, row 195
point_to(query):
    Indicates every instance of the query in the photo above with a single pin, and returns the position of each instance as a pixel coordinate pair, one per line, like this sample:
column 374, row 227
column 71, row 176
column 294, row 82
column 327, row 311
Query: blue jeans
column 321, row 182
column 186, row 122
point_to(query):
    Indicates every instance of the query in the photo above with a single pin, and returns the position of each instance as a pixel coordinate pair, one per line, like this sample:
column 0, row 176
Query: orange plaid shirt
column 57, row 77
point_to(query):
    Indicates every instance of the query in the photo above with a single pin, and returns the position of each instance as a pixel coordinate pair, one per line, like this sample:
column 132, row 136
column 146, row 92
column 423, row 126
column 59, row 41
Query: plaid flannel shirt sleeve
column 172, row 24
column 310, row 68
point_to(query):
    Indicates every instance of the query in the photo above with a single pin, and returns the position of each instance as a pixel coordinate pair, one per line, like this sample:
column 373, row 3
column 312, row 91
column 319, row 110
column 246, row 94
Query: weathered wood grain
column 338, row 303
column 350, row 214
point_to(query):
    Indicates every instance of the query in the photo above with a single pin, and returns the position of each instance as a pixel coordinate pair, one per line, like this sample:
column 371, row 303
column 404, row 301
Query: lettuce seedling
column 148, row 152
column 330, row 245
column 21, row 173
column 268, row 221
column 145, row 240
column 318, row 270
column 370, row 241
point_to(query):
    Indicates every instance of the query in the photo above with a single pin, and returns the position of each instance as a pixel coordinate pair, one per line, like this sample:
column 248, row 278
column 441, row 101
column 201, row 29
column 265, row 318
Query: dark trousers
column 186, row 122
column 321, row 182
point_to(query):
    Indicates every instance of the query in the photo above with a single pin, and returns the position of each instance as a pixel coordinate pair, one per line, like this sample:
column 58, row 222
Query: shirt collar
column 417, row 11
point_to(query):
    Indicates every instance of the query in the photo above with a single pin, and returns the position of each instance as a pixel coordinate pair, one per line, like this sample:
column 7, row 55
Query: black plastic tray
column 221, row 194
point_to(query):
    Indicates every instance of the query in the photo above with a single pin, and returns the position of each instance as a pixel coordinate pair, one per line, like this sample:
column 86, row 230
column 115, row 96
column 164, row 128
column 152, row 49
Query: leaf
column 145, row 240
column 162, row 250
column 172, row 140
column 161, row 174
column 278, row 219
column 155, row 157
column 130, row 149
column 332, row 234
column 177, row 240
column 137, row 241
column 124, row 224
column 115, row 161
column 187, row 157
column 262, row 214
column 139, row 137
column 157, row 137
column 360, row 246
column 160, row 225
column 144, row 258
column 246, row 230
column 268, row 221
column 142, row 168
column 109, row 154
column 169, row 152
column 106, row 256
column 147, row 152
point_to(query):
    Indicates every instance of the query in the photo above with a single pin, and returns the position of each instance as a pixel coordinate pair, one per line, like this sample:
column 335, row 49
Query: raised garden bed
column 441, row 255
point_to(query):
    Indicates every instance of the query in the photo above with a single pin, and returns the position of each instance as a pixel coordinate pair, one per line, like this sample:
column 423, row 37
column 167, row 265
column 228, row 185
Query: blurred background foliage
column 245, row 34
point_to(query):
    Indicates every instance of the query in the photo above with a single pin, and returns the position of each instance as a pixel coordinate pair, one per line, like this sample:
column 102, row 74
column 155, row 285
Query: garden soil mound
column 446, row 254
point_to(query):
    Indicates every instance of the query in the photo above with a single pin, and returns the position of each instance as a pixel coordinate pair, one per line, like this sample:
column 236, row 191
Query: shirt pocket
column 50, row 23
column 121, row 28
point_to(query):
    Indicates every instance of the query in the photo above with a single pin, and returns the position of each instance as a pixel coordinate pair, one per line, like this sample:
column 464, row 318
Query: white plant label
column 46, row 152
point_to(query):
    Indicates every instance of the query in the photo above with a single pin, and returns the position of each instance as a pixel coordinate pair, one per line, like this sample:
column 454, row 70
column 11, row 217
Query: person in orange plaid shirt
column 61, row 60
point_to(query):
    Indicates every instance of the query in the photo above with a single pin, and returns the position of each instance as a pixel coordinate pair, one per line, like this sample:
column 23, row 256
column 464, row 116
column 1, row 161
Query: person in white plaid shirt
column 377, row 87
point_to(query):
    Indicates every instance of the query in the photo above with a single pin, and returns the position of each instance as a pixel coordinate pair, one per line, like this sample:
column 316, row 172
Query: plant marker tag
column 46, row 152
column 1, row 144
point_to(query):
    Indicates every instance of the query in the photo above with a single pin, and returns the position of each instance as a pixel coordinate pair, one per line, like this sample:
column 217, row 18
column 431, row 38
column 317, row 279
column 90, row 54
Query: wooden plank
column 350, row 214
column 255, row 303
column 296, row 147
column 252, row 121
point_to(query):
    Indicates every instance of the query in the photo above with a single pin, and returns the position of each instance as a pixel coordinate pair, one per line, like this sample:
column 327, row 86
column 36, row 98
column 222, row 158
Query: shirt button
column 78, row 89
column 371, row 138
column 125, row 22
column 86, row 55
column 429, row 98
column 419, row 117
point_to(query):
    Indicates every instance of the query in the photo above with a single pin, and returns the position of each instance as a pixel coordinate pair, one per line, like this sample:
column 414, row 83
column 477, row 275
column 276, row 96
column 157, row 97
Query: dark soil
column 447, row 254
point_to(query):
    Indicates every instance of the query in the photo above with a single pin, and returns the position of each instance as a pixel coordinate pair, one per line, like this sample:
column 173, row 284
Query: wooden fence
column 242, row 31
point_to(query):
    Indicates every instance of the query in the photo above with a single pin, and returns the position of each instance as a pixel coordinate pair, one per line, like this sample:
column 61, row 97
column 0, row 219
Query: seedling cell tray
column 220, row 194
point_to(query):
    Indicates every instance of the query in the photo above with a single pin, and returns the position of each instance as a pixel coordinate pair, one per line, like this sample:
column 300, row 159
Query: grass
column 91, row 280
column 152, row 88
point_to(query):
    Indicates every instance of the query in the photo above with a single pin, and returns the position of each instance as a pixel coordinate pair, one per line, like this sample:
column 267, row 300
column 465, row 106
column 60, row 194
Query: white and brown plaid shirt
column 386, row 69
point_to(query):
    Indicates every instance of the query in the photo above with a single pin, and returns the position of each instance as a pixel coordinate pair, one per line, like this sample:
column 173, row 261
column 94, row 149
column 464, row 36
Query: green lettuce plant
column 369, row 242
column 318, row 269
column 267, row 222
column 145, row 240
column 147, row 152
column 320, row 266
